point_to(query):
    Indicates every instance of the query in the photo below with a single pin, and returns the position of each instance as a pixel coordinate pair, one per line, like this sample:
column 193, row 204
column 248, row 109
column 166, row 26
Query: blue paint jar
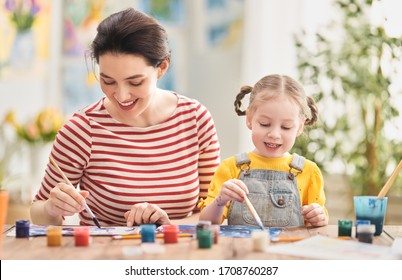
column 148, row 233
column 22, row 228
column 361, row 222
column 366, row 233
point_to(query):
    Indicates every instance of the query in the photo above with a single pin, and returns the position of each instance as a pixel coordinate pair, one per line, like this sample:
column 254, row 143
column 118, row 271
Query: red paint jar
column 170, row 233
column 216, row 229
column 81, row 235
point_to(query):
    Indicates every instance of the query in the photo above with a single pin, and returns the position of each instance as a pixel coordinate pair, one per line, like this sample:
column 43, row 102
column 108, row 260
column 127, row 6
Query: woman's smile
column 127, row 105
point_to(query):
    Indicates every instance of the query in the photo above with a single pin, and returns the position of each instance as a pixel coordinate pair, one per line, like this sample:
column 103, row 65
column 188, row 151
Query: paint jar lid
column 81, row 231
column 22, row 223
column 52, row 230
column 363, row 228
column 204, row 223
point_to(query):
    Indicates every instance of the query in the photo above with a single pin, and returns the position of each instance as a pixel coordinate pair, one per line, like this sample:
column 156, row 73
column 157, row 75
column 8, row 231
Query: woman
column 139, row 155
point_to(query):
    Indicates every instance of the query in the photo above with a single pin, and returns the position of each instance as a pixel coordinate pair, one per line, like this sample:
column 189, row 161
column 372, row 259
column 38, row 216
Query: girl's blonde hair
column 272, row 86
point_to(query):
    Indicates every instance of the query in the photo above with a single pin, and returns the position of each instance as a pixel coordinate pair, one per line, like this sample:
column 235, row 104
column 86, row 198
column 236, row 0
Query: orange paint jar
column 53, row 236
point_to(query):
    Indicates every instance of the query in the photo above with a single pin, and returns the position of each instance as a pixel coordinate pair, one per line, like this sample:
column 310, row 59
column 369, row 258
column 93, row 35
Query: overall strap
column 297, row 164
column 242, row 158
column 243, row 162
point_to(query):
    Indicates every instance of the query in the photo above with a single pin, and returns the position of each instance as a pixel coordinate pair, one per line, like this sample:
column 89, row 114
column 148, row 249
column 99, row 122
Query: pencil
column 68, row 182
column 255, row 214
column 138, row 236
column 286, row 239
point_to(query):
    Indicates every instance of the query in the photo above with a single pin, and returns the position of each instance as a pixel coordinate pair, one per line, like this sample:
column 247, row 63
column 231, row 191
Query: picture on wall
column 79, row 84
column 24, row 35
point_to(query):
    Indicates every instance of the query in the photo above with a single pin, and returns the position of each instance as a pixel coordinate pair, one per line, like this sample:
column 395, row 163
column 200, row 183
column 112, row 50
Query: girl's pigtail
column 239, row 97
column 313, row 118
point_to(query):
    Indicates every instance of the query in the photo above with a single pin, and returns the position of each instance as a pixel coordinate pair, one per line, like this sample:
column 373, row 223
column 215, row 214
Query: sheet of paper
column 397, row 246
column 322, row 247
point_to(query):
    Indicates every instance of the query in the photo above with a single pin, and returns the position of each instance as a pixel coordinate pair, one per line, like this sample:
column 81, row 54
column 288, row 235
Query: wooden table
column 104, row 247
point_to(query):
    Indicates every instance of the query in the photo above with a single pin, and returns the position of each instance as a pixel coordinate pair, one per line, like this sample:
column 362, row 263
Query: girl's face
column 129, row 83
column 274, row 127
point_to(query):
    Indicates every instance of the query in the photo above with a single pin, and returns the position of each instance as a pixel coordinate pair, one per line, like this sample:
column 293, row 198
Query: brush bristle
column 96, row 222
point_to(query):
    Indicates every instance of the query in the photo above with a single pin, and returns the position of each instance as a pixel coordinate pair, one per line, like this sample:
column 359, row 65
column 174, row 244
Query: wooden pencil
column 138, row 236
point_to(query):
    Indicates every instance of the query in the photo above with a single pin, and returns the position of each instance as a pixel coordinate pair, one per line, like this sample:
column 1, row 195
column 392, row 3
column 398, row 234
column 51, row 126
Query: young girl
column 285, row 189
column 141, row 154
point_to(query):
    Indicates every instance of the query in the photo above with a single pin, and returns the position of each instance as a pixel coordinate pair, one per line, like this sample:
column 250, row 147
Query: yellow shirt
column 310, row 182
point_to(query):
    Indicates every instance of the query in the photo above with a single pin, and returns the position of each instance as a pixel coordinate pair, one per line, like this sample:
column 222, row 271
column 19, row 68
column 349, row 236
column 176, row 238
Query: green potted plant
column 351, row 72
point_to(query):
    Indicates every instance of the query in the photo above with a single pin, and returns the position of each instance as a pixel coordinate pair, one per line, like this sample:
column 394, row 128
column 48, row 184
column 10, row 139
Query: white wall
column 213, row 76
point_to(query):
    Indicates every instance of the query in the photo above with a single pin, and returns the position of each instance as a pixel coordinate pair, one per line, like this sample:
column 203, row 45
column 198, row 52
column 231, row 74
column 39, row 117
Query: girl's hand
column 232, row 189
column 65, row 200
column 146, row 213
column 315, row 215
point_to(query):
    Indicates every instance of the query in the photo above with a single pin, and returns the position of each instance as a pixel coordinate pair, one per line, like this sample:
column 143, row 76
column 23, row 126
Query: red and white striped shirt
column 169, row 164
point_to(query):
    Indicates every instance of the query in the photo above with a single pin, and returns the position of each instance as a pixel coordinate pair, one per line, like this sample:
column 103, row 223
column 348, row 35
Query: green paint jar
column 345, row 227
column 205, row 238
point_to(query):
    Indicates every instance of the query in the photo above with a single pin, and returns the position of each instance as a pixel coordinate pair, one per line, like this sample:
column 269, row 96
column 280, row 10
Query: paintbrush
column 255, row 214
column 68, row 182
column 390, row 181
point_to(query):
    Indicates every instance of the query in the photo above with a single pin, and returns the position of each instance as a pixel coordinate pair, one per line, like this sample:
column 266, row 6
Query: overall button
column 281, row 201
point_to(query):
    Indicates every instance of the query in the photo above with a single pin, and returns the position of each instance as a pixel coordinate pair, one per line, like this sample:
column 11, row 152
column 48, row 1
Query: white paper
column 321, row 247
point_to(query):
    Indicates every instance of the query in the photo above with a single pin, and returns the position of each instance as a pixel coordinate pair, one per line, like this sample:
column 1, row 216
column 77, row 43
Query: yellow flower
column 41, row 128
column 10, row 119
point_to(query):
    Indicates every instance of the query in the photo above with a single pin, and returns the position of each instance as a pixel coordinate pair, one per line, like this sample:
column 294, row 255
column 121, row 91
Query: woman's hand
column 146, row 213
column 232, row 189
column 65, row 200
column 315, row 215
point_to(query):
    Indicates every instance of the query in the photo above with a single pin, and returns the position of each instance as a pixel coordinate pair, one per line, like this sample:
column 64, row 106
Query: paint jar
column 81, row 235
column 260, row 240
column 345, row 227
column 366, row 233
column 216, row 229
column 170, row 233
column 202, row 225
column 148, row 233
column 53, row 236
column 22, row 228
column 205, row 238
column 361, row 222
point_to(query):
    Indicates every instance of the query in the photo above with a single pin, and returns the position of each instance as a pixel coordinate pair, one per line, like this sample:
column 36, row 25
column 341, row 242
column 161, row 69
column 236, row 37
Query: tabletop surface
column 187, row 248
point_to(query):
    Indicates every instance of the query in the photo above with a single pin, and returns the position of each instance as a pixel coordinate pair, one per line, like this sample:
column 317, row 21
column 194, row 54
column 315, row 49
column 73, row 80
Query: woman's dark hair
column 131, row 32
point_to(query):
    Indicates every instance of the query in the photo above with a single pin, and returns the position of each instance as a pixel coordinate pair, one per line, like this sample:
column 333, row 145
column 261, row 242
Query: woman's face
column 128, row 82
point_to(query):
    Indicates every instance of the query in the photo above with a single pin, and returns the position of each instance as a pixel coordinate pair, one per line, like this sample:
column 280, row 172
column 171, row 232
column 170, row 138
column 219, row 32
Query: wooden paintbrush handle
column 390, row 181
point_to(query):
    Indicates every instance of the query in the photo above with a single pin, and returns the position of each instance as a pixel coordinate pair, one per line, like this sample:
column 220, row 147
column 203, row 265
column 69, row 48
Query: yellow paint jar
column 53, row 236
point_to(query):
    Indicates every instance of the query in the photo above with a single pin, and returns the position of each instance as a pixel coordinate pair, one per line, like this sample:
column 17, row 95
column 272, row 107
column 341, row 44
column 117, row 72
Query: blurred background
column 347, row 54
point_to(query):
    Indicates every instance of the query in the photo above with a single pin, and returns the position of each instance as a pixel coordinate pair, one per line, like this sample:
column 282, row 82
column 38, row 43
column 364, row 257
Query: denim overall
column 274, row 195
